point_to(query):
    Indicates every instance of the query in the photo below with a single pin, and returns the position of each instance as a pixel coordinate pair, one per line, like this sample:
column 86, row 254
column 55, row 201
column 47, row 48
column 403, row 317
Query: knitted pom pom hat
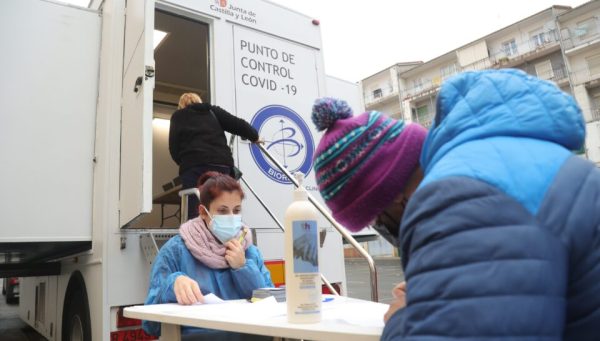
column 362, row 162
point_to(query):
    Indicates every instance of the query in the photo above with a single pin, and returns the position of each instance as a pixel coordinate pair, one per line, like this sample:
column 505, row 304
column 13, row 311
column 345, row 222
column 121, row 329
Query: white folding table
column 343, row 319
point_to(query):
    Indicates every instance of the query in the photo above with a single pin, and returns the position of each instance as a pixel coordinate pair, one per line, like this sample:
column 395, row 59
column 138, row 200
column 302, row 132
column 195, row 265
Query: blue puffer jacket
column 174, row 260
column 502, row 238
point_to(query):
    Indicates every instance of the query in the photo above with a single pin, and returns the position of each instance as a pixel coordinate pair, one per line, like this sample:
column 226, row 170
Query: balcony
column 380, row 95
column 585, row 76
column 583, row 36
column 425, row 88
column 558, row 76
column 482, row 64
column 537, row 46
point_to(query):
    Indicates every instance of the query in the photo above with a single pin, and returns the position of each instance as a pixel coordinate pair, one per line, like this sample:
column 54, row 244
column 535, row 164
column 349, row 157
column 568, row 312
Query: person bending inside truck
column 197, row 141
column 497, row 220
column 212, row 253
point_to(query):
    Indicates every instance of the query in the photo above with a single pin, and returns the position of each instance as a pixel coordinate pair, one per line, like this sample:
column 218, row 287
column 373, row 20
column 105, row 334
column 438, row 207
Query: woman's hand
column 235, row 254
column 187, row 290
column 399, row 301
column 260, row 140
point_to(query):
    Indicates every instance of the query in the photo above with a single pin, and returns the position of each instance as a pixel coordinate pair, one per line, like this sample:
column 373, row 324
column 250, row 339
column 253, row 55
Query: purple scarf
column 204, row 246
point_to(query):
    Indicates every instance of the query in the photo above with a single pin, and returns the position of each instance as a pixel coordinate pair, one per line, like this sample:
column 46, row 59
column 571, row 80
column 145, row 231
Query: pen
column 242, row 236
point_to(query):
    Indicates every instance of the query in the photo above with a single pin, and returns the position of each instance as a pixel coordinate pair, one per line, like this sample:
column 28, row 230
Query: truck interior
column 181, row 54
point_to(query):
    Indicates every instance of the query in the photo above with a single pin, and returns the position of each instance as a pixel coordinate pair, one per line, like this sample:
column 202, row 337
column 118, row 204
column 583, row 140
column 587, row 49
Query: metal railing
column 280, row 225
column 383, row 94
column 554, row 75
column 504, row 55
column 584, row 75
column 580, row 35
column 424, row 86
column 345, row 234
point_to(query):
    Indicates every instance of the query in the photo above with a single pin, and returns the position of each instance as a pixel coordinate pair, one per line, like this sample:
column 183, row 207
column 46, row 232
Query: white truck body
column 83, row 142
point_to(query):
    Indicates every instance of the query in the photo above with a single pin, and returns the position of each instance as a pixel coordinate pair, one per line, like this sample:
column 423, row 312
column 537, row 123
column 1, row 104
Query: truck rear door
column 136, row 133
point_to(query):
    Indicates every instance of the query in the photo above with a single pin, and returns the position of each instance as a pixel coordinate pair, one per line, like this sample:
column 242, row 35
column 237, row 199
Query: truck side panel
column 48, row 92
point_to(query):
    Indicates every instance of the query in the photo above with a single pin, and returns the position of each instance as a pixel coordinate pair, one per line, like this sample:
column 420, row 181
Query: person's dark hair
column 212, row 184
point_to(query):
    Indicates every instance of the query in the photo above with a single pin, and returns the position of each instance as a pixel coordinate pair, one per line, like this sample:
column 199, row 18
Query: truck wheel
column 76, row 323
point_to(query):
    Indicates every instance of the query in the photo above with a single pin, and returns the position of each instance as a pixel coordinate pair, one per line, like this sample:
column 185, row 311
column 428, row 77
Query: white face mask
column 225, row 227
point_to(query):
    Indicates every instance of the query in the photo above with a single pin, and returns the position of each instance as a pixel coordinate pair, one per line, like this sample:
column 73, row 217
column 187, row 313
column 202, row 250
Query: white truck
column 86, row 98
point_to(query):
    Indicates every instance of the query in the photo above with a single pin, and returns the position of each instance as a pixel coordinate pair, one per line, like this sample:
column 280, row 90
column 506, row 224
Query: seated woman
column 209, row 256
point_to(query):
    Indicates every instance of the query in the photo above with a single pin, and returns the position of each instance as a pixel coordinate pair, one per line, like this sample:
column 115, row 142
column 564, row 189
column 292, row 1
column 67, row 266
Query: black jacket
column 196, row 137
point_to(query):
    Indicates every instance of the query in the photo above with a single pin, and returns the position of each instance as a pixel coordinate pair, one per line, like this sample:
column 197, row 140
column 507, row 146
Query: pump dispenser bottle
column 302, row 276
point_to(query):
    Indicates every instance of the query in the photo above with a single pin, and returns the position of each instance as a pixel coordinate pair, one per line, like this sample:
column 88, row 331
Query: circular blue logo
column 287, row 138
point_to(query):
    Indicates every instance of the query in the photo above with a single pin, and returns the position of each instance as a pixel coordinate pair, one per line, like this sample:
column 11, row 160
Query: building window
column 448, row 70
column 422, row 111
column 539, row 37
column 594, row 64
column 423, row 116
column 377, row 93
column 510, row 48
column 586, row 29
column 544, row 70
column 418, row 84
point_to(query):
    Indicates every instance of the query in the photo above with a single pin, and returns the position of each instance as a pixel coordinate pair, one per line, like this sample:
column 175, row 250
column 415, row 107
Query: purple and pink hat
column 362, row 162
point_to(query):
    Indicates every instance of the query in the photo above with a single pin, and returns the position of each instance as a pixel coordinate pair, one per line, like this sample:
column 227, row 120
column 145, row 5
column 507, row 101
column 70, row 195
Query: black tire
column 76, row 320
column 4, row 286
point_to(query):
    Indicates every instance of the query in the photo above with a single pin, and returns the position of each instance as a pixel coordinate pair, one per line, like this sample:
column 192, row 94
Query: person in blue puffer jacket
column 209, row 256
column 499, row 221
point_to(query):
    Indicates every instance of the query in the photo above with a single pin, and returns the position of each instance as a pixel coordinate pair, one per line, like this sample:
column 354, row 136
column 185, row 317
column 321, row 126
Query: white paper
column 266, row 308
column 210, row 299
column 270, row 300
column 357, row 314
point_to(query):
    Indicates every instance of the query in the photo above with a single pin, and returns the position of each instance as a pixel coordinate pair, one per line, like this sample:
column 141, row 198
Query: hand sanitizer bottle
column 302, row 276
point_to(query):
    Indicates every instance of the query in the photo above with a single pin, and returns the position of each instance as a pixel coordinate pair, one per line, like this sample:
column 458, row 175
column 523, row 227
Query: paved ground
column 389, row 273
column 12, row 328
column 357, row 275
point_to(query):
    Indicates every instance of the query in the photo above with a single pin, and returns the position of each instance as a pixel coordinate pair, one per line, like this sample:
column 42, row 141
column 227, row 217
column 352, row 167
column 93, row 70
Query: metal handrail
column 323, row 279
column 338, row 227
column 262, row 203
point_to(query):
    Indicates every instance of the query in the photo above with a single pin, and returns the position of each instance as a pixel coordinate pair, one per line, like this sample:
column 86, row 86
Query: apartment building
column 382, row 91
column 559, row 44
column 580, row 32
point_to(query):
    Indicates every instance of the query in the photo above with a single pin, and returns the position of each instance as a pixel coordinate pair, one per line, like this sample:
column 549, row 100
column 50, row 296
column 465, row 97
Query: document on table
column 211, row 299
column 266, row 308
column 356, row 314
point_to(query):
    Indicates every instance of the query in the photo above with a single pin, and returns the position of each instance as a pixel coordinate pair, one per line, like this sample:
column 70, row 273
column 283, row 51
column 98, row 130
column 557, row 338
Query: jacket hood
column 494, row 103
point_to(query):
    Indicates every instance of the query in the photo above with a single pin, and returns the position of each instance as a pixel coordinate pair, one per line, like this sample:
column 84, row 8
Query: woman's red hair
column 212, row 184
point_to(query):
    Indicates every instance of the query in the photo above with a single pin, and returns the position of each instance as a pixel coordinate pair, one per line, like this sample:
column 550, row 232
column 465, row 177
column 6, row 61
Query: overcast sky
column 362, row 37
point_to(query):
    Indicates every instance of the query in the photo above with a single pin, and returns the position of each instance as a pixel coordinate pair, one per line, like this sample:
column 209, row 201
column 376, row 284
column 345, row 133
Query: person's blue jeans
column 189, row 179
